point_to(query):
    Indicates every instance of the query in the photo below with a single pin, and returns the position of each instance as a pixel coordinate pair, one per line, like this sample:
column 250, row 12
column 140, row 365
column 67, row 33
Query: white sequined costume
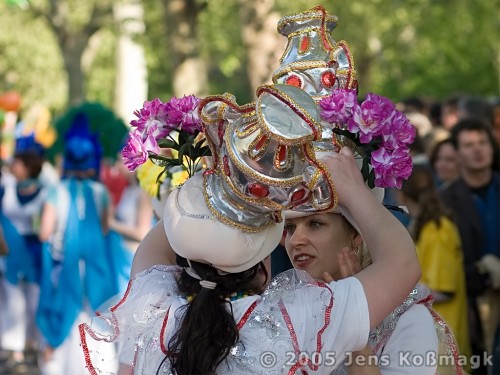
column 297, row 326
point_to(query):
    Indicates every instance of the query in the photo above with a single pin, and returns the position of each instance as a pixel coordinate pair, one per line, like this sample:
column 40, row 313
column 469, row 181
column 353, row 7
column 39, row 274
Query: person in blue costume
column 22, row 200
column 76, row 277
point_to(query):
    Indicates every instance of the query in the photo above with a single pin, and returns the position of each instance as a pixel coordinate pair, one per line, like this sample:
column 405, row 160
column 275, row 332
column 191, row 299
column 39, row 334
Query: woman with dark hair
column 210, row 315
column 198, row 302
column 21, row 206
column 439, row 251
column 444, row 163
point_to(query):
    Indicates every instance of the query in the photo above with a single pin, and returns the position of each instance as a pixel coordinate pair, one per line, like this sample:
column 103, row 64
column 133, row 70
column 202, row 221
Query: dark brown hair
column 420, row 188
column 208, row 330
column 33, row 162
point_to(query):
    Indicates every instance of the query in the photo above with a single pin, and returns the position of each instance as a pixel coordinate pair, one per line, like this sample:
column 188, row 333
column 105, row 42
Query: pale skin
column 144, row 218
column 391, row 247
column 349, row 266
column 323, row 245
column 475, row 157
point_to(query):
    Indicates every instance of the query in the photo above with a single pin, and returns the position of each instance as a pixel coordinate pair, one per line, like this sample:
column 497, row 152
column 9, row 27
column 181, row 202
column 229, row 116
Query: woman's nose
column 298, row 236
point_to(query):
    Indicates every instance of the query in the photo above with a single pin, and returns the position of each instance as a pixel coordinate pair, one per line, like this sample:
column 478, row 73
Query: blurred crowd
column 69, row 231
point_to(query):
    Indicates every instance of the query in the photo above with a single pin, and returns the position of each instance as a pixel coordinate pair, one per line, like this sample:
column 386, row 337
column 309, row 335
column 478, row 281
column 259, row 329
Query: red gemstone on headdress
column 282, row 154
column 225, row 165
column 328, row 79
column 298, row 196
column 304, row 44
column 258, row 190
column 294, row 80
column 261, row 142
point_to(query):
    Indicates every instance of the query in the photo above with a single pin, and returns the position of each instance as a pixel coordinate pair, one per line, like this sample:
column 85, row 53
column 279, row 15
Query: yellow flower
column 179, row 178
column 147, row 174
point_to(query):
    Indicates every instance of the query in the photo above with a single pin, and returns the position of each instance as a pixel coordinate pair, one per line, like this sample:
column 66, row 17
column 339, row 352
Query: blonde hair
column 364, row 257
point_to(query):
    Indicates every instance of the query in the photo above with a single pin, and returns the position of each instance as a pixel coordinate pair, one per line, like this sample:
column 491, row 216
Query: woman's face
column 446, row 164
column 313, row 243
column 19, row 170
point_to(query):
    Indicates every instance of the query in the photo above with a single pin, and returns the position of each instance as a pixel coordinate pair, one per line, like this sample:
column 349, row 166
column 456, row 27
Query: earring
column 356, row 249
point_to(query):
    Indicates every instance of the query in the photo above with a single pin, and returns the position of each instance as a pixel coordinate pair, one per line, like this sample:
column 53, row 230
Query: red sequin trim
column 319, row 344
column 245, row 316
column 292, row 106
column 162, row 333
column 85, row 348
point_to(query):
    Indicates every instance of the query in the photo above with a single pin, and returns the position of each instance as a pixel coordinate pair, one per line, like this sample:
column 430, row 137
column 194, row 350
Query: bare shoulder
column 154, row 249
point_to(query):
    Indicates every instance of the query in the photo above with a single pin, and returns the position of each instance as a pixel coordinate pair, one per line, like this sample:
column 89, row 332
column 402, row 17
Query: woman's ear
column 356, row 241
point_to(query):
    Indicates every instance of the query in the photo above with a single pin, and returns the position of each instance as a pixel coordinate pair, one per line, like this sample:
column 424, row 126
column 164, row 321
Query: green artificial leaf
column 168, row 143
column 182, row 151
column 163, row 161
column 199, row 143
column 371, row 179
column 365, row 169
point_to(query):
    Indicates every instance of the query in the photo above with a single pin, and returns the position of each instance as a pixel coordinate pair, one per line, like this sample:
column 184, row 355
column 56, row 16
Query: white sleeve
column 350, row 317
column 331, row 320
column 412, row 347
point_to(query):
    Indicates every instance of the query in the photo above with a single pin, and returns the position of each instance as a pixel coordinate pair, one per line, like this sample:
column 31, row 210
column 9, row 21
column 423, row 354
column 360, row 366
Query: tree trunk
column 72, row 51
column 264, row 45
column 131, row 86
column 189, row 70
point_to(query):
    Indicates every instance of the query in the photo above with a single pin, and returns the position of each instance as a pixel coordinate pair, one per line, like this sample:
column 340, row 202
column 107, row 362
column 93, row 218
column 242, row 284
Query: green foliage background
column 402, row 48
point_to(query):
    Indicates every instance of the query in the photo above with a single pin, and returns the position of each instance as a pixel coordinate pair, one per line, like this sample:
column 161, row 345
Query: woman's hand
column 360, row 362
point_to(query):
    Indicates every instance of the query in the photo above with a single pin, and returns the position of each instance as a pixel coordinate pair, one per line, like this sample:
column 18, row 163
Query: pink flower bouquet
column 173, row 126
column 381, row 132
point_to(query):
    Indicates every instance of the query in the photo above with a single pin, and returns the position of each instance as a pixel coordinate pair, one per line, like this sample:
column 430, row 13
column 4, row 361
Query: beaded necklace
column 229, row 298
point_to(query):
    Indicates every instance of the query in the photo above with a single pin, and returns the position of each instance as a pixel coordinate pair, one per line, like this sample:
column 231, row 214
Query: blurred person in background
column 475, row 200
column 475, row 107
column 449, row 112
column 439, row 252
column 444, row 163
column 77, row 276
column 496, row 119
column 22, row 200
column 130, row 222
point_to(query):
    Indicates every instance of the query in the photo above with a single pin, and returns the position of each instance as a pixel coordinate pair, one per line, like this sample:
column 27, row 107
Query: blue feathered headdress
column 82, row 149
column 28, row 144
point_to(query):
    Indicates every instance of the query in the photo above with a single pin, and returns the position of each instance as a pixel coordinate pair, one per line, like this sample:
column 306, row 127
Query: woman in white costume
column 319, row 243
column 198, row 301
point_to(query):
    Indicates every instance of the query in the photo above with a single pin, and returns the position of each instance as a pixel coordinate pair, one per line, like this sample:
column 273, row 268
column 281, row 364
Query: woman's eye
column 289, row 228
column 315, row 224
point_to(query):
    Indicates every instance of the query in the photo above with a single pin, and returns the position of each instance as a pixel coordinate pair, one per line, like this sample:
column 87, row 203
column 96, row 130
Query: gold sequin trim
column 316, row 177
column 288, row 159
column 305, row 16
column 234, row 224
column 256, row 201
column 280, row 182
column 298, row 66
column 246, row 129
column 315, row 126
column 351, row 72
column 257, row 154
column 328, row 179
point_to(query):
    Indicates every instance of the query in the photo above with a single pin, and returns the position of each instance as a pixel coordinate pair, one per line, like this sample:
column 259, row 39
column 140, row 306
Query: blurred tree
column 263, row 44
column 183, row 44
column 30, row 63
column 400, row 48
column 73, row 23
